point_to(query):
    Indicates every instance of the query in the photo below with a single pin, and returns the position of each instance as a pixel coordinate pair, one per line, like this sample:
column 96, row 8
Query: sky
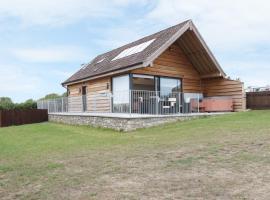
column 43, row 42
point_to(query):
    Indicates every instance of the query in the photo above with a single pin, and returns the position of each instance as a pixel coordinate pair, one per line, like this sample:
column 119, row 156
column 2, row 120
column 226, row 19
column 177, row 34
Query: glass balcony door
column 120, row 90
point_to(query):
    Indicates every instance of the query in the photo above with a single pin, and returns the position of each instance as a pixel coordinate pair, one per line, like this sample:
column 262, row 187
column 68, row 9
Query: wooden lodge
column 148, row 71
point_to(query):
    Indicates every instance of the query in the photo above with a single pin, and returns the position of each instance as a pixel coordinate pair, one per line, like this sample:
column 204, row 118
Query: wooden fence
column 18, row 117
column 258, row 100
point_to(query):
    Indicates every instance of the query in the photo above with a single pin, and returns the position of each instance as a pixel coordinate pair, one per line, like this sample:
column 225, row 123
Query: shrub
column 7, row 104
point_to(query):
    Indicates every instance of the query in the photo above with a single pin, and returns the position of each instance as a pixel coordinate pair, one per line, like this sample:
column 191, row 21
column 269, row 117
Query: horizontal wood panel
column 226, row 87
column 95, row 88
column 174, row 63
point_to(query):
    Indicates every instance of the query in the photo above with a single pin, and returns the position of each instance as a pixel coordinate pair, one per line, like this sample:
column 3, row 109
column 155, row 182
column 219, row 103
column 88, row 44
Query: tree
column 51, row 96
column 64, row 94
column 6, row 103
column 28, row 104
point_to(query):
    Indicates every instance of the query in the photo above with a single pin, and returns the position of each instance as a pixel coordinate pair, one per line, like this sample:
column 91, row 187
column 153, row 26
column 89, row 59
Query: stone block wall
column 117, row 123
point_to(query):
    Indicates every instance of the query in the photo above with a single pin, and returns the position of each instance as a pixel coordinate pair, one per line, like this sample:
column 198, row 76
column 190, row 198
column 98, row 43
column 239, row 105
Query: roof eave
column 109, row 73
column 209, row 52
column 159, row 51
column 188, row 26
column 149, row 60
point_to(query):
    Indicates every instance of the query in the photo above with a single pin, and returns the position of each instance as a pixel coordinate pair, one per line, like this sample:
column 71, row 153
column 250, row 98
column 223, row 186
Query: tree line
column 6, row 103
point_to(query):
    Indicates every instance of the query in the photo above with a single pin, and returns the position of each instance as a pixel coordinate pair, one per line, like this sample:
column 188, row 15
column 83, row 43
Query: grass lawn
column 223, row 157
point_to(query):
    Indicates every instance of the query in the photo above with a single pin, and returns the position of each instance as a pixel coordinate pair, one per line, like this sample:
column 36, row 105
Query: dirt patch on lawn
column 219, row 171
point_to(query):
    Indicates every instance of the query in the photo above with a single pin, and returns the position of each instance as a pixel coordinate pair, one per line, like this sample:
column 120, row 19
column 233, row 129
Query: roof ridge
column 171, row 27
column 160, row 37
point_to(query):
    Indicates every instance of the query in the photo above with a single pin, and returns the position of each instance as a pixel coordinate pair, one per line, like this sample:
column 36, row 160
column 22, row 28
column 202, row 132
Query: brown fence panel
column 258, row 100
column 18, row 117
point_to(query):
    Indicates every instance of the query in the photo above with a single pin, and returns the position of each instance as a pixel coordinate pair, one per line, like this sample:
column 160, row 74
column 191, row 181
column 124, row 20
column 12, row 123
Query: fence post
column 95, row 103
column 179, row 104
column 157, row 97
column 67, row 105
column 54, row 105
column 130, row 102
column 48, row 106
column 62, row 104
column 198, row 103
column 110, row 99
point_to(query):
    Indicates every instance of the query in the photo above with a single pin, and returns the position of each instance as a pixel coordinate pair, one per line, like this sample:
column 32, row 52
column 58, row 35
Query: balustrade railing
column 133, row 101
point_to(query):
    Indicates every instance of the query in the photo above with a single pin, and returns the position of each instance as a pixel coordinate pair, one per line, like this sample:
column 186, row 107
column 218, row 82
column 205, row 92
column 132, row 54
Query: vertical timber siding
column 226, row 87
column 97, row 100
column 174, row 63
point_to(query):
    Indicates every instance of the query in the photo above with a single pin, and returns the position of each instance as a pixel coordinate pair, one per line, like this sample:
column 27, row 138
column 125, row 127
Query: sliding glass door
column 145, row 94
column 120, row 90
column 170, row 96
column 169, row 85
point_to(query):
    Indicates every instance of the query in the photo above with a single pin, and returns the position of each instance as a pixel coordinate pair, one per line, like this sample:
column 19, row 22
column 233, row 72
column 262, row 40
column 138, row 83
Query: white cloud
column 23, row 82
column 236, row 31
column 15, row 79
column 225, row 24
column 252, row 73
column 49, row 54
column 62, row 74
column 60, row 12
column 119, row 36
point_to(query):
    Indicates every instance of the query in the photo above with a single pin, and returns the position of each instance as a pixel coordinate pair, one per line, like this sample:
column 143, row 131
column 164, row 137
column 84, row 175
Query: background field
column 218, row 157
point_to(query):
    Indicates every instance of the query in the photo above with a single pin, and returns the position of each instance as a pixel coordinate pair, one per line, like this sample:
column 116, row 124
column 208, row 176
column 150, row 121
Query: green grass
column 199, row 158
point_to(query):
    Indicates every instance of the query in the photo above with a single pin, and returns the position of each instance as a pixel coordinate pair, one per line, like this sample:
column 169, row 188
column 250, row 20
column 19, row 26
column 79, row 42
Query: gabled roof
column 137, row 56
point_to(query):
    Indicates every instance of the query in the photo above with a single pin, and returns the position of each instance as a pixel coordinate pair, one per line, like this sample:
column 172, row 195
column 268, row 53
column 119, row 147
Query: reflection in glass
column 169, row 85
column 143, row 82
column 120, row 91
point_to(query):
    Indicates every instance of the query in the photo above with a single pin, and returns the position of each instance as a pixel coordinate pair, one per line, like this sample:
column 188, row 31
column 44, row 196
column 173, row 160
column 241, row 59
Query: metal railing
column 132, row 101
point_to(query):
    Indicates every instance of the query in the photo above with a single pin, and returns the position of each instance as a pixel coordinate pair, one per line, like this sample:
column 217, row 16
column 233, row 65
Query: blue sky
column 43, row 42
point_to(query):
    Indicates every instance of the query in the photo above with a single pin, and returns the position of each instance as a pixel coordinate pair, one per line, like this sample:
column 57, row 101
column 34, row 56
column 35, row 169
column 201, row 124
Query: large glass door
column 170, row 96
column 120, row 90
column 143, row 96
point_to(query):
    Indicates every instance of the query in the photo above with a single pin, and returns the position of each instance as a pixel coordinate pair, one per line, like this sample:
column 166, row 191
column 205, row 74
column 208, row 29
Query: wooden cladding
column 226, row 87
column 96, row 100
column 174, row 63
column 199, row 55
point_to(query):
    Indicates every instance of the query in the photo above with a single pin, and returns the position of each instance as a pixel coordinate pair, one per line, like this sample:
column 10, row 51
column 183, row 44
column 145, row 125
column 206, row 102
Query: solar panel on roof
column 133, row 50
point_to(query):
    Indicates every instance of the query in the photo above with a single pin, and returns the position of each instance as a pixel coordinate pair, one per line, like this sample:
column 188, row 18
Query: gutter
column 108, row 73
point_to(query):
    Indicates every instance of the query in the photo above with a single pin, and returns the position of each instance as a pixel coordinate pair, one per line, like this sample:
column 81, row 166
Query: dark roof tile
column 104, row 63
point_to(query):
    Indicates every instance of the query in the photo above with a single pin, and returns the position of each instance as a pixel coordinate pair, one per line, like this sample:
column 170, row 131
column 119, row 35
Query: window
column 99, row 61
column 133, row 50
column 143, row 82
column 120, row 85
column 169, row 85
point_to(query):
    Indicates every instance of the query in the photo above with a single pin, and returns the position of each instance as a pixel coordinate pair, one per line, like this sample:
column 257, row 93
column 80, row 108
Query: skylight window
column 84, row 66
column 133, row 50
column 99, row 61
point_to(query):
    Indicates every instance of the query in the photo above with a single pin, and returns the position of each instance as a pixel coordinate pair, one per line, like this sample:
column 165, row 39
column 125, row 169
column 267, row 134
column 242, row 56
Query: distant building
column 258, row 89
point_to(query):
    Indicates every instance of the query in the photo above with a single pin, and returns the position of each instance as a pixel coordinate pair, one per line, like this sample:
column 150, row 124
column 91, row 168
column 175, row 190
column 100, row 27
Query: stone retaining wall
column 118, row 123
